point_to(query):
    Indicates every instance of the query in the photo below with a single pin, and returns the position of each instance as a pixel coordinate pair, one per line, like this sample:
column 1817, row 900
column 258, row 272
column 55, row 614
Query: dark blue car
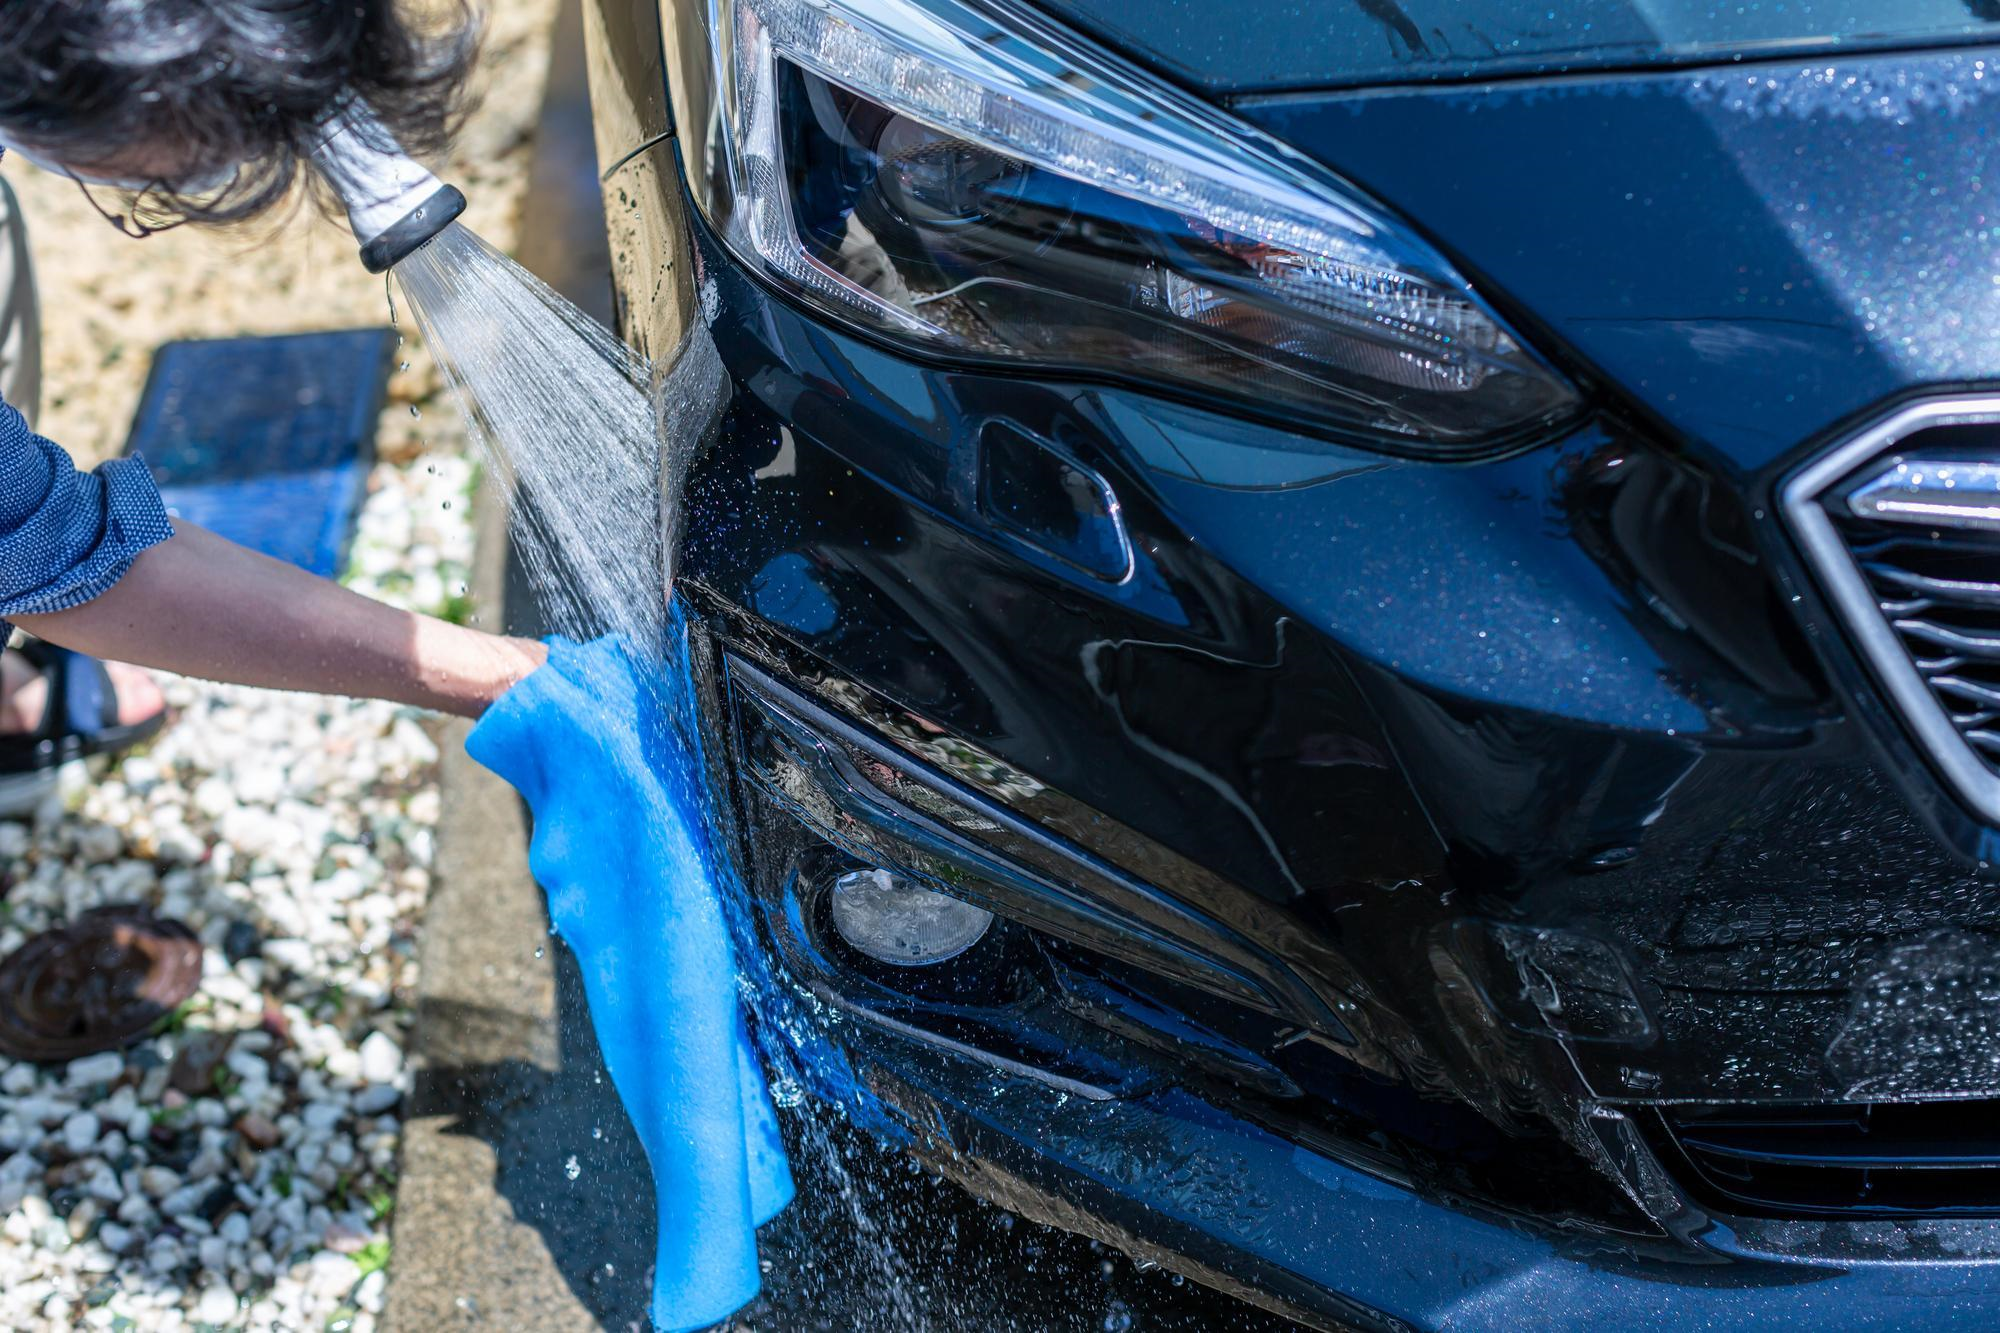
column 1357, row 642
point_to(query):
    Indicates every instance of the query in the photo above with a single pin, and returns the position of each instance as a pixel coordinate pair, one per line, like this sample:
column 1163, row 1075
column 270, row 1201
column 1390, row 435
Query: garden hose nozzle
column 393, row 204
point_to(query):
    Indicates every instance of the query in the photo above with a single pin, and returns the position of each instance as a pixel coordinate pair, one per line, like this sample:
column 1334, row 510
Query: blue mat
column 599, row 747
column 268, row 441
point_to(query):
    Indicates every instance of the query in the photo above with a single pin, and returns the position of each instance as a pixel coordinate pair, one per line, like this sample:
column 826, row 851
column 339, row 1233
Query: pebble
column 381, row 1058
column 297, row 955
column 331, row 1273
column 103, row 1185
column 345, row 1239
column 35, row 1212
column 376, row 1098
column 97, row 843
column 193, row 1069
column 164, row 1255
column 321, row 1117
column 183, row 1201
column 216, row 1306
column 79, row 1133
column 100, row 1068
column 258, row 1131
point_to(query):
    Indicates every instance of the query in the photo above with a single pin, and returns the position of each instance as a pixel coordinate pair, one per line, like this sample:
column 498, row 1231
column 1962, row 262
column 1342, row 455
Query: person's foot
column 24, row 694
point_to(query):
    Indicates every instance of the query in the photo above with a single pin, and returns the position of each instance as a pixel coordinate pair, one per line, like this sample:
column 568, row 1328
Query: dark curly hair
column 204, row 87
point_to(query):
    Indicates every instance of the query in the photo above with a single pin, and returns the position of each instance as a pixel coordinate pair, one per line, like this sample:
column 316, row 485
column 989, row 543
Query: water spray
column 393, row 204
column 592, row 449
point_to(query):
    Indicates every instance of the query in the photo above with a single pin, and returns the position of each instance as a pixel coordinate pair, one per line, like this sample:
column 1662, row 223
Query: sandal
column 79, row 720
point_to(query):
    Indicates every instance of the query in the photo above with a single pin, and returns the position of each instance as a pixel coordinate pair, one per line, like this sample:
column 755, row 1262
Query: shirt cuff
column 116, row 512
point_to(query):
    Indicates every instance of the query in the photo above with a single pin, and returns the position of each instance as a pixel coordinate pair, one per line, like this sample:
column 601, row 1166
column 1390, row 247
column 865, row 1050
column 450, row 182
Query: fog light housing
column 893, row 920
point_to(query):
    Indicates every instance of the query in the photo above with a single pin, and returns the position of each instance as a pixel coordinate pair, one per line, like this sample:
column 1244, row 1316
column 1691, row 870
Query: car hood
column 1750, row 255
column 1267, row 45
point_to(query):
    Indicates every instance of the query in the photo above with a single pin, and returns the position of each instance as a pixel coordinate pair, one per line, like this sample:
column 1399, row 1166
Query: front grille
column 1879, row 1159
column 1901, row 524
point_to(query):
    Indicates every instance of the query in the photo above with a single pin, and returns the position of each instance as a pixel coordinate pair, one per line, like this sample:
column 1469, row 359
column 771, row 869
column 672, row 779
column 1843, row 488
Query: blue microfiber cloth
column 602, row 748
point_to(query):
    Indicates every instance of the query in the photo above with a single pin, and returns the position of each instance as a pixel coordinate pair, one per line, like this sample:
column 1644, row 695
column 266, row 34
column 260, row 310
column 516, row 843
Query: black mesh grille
column 1851, row 1160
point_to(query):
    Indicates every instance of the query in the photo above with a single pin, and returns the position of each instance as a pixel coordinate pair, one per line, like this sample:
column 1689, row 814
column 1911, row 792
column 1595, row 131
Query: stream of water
column 565, row 418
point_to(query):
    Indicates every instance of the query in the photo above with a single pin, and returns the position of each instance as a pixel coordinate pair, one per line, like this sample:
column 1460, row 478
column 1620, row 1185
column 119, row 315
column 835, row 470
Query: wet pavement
column 941, row 1260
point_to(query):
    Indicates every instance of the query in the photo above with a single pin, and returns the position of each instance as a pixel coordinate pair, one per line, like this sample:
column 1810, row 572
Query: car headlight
column 971, row 181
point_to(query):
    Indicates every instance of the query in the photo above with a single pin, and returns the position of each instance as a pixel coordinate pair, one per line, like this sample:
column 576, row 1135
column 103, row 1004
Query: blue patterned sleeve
column 67, row 536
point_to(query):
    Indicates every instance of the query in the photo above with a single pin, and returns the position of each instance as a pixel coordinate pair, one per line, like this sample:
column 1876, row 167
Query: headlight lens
column 978, row 184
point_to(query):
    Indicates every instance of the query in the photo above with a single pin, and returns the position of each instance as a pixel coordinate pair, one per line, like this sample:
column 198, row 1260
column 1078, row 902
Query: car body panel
column 1266, row 45
column 628, row 90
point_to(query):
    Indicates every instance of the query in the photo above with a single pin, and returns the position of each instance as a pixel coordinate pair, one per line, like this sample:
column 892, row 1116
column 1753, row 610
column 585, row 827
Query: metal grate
column 1902, row 525
column 1863, row 1159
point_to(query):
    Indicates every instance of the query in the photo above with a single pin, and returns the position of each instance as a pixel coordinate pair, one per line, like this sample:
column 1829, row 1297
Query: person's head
column 216, row 105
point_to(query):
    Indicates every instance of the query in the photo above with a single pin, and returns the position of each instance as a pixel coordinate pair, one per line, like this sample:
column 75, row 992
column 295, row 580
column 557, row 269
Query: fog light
column 892, row 920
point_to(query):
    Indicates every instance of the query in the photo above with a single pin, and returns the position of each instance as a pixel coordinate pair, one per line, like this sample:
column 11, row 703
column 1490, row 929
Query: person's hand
column 516, row 659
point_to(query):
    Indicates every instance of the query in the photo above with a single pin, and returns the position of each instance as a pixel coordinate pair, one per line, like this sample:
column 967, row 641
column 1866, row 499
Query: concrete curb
column 492, row 1228
column 486, row 1023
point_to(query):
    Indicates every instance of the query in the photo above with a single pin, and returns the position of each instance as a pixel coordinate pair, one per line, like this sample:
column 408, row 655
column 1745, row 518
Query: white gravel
column 238, row 1170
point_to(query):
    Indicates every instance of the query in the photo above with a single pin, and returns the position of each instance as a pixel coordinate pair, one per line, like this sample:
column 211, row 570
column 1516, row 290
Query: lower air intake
column 1867, row 1159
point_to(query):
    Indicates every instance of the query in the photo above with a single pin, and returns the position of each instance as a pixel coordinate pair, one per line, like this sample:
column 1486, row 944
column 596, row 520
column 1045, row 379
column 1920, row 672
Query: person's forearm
column 200, row 605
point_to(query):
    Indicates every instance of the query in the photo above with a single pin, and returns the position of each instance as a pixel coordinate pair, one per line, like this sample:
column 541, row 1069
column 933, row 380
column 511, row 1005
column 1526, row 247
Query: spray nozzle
column 393, row 204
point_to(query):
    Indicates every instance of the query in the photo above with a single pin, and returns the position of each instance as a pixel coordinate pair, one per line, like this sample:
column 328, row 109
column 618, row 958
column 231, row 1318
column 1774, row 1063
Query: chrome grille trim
column 1933, row 493
column 1890, row 655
